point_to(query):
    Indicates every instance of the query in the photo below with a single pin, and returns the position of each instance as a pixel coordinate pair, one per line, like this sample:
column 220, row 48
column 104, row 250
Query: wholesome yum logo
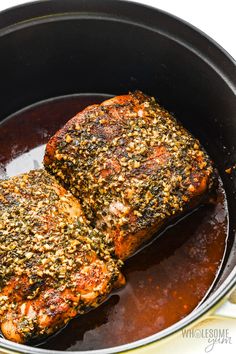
column 213, row 336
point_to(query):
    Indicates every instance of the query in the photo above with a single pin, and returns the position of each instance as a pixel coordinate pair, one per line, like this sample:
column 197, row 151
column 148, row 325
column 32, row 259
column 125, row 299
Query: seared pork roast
column 116, row 174
column 54, row 266
column 131, row 165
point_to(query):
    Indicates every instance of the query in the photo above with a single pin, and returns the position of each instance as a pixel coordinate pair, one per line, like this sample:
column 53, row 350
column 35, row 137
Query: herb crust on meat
column 131, row 165
column 54, row 266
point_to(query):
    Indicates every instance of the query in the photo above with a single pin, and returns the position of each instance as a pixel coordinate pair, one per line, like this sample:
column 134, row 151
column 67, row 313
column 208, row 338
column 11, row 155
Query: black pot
column 58, row 47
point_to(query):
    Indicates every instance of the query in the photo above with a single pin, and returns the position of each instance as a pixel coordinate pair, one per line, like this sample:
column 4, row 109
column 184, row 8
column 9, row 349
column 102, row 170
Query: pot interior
column 113, row 47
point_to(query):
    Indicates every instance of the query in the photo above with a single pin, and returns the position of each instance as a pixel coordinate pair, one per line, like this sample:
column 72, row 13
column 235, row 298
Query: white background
column 217, row 18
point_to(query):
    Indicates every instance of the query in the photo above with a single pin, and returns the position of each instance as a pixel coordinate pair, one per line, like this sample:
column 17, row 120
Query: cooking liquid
column 165, row 281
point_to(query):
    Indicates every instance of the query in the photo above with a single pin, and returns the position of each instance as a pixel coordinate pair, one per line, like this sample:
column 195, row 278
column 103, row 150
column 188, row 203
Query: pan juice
column 166, row 280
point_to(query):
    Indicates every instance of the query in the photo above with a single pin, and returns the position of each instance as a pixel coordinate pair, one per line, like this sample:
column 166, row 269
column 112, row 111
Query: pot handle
column 6, row 351
column 226, row 308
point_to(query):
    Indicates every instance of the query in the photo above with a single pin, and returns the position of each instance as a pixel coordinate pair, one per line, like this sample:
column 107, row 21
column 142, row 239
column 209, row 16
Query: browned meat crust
column 53, row 265
column 131, row 165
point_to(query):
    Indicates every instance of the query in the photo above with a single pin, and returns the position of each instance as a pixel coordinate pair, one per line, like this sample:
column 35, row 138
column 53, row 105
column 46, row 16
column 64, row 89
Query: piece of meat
column 53, row 265
column 132, row 166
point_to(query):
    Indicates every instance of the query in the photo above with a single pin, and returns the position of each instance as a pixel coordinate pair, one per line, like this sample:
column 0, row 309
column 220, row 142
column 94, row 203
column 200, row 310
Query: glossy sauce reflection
column 165, row 281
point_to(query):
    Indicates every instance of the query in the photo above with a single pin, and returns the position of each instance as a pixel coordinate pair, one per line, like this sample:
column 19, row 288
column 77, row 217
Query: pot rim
column 230, row 281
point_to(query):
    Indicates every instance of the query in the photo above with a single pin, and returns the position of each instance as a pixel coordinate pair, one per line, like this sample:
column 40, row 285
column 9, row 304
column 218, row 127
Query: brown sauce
column 165, row 281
